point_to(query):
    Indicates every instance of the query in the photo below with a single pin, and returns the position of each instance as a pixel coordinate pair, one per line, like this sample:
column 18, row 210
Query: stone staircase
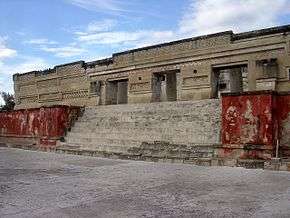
column 175, row 131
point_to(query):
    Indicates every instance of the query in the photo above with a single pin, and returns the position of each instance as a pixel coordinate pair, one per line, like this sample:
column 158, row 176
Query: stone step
column 153, row 106
column 251, row 163
column 143, row 136
column 174, row 127
column 95, row 148
column 157, row 133
column 117, row 135
column 203, row 161
column 68, row 146
column 92, row 142
column 170, row 130
column 173, row 117
column 154, row 150
column 131, row 110
column 191, row 115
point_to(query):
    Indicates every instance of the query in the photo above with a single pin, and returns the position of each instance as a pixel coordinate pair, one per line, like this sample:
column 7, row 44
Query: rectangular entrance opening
column 164, row 87
column 228, row 79
column 117, row 92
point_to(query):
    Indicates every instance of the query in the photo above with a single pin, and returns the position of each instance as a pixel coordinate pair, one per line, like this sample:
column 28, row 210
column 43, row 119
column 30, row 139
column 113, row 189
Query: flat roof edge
column 244, row 35
column 175, row 42
column 262, row 32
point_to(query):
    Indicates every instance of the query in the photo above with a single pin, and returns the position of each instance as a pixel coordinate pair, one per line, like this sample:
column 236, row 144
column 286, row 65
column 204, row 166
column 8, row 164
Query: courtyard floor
column 39, row 184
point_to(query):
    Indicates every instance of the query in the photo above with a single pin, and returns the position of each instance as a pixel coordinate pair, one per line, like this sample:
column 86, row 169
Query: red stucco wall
column 283, row 116
column 45, row 124
column 254, row 121
column 247, row 119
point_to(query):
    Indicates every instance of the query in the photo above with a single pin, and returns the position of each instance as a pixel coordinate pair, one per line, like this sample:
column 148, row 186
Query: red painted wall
column 254, row 121
column 47, row 124
column 283, row 117
column 247, row 119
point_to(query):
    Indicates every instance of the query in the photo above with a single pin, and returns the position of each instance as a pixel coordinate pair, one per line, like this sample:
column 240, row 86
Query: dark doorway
column 117, row 92
column 228, row 79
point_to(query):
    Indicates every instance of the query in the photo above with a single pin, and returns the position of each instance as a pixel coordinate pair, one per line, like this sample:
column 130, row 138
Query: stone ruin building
column 189, row 69
column 219, row 99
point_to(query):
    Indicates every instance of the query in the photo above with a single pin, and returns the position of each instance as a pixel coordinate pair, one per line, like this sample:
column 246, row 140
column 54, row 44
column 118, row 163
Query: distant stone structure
column 188, row 69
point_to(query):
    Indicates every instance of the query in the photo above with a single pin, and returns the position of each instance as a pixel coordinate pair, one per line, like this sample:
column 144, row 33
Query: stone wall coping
column 50, row 70
column 262, row 32
column 71, row 63
column 175, row 42
column 262, row 92
column 38, row 108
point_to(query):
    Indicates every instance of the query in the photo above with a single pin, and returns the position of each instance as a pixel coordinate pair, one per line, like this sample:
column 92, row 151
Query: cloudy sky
column 38, row 34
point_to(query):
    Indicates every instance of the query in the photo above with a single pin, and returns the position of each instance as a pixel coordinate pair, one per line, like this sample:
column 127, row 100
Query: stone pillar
column 178, row 86
column 156, row 88
column 102, row 100
column 267, row 77
column 288, row 46
column 252, row 72
column 163, row 95
column 171, row 86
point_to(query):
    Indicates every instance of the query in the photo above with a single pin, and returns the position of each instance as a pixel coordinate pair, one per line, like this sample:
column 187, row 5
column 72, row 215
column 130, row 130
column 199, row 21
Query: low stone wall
column 38, row 128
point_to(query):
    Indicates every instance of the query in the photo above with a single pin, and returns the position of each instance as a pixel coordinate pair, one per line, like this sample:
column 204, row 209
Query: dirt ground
column 39, row 184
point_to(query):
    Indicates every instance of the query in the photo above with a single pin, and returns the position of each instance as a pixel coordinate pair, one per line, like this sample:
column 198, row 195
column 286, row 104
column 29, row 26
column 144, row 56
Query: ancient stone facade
column 190, row 69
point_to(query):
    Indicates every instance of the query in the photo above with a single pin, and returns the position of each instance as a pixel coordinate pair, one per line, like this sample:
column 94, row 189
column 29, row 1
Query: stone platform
column 169, row 131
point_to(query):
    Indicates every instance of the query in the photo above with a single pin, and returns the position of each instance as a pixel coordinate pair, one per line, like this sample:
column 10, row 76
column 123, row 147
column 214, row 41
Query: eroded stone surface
column 36, row 184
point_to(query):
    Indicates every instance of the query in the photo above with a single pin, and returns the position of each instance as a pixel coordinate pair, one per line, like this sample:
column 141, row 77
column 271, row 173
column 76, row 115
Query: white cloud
column 137, row 38
column 63, row 52
column 41, row 41
column 101, row 26
column 106, row 6
column 26, row 64
column 51, row 46
column 201, row 17
column 97, row 26
column 156, row 37
column 4, row 51
column 209, row 16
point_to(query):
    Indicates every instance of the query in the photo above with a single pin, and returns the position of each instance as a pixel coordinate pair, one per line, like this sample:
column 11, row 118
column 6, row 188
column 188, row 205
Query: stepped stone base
column 167, row 131
column 157, row 151
column 280, row 165
column 177, row 132
column 200, row 161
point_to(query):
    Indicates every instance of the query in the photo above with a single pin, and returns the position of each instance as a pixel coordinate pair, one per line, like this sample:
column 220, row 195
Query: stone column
column 178, row 86
column 252, row 72
column 288, row 46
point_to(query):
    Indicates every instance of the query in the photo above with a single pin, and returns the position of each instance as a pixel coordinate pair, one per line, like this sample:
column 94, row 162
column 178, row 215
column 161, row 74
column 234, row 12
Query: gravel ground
column 39, row 184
